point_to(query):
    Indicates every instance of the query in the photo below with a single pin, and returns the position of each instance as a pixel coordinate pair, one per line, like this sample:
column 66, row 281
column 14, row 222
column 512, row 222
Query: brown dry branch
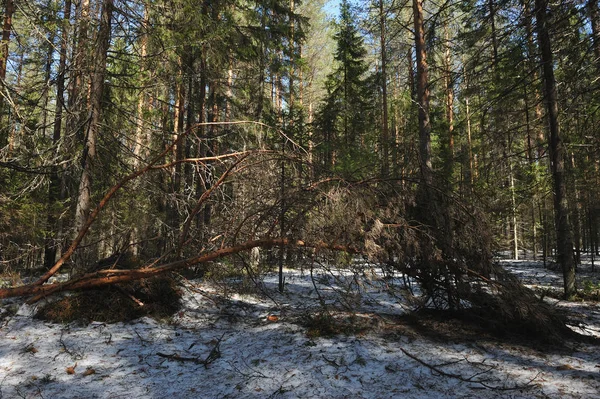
column 103, row 278
column 113, row 190
column 186, row 226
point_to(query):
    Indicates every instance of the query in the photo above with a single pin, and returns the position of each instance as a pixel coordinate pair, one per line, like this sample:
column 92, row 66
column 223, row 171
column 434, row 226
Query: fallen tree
column 450, row 260
column 108, row 277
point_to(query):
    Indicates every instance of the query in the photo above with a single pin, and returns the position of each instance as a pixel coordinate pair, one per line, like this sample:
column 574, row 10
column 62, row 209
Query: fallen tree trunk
column 114, row 276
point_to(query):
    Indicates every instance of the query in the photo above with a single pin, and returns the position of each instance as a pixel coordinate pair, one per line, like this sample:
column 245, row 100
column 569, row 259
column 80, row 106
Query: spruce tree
column 343, row 120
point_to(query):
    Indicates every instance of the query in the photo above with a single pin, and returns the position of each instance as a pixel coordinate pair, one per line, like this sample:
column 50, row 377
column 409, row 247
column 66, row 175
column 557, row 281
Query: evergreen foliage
column 344, row 121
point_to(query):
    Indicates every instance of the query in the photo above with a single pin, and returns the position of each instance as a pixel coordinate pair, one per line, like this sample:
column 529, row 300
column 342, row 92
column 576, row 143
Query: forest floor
column 269, row 345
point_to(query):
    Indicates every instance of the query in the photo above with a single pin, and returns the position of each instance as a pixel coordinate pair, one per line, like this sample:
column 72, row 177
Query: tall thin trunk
column 261, row 75
column 203, row 143
column 564, row 241
column 515, row 231
column 179, row 124
column 54, row 189
column 229, row 90
column 492, row 10
column 47, row 81
column 279, row 97
column 592, row 234
column 422, row 95
column 213, row 116
column 292, row 44
column 385, row 168
column 140, row 129
column 82, row 66
column 531, row 160
column 449, row 102
column 97, row 89
column 471, row 171
column 537, row 132
column 576, row 213
column 190, row 117
column 9, row 10
column 411, row 74
column 396, row 120
column 595, row 23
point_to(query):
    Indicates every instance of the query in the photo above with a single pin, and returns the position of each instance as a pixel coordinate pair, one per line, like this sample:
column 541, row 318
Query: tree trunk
column 576, row 213
column 515, row 234
column 9, row 10
column 411, row 75
column 229, row 90
column 564, row 241
column 261, row 73
column 141, row 126
column 97, row 89
column 385, row 168
column 422, row 95
column 537, row 133
column 471, row 168
column 595, row 23
column 492, row 10
column 82, row 64
column 449, row 164
column 54, row 189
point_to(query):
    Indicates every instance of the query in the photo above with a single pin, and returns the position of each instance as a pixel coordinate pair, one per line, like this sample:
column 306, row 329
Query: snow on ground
column 265, row 351
column 584, row 313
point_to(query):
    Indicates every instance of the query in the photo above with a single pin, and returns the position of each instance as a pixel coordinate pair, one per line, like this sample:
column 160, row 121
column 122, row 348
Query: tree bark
column 385, row 136
column 141, row 126
column 97, row 89
column 54, row 189
column 564, row 241
column 422, row 95
column 595, row 23
column 448, row 83
column 492, row 9
column 9, row 10
column 537, row 133
column 411, row 75
column 471, row 167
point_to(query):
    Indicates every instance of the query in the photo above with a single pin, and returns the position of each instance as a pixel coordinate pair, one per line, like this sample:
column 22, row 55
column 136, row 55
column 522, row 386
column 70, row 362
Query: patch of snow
column 265, row 353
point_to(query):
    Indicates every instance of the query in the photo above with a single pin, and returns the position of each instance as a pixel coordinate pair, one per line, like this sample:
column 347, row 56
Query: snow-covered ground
column 260, row 349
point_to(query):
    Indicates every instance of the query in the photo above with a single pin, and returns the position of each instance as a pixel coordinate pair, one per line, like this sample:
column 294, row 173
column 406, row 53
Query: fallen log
column 107, row 277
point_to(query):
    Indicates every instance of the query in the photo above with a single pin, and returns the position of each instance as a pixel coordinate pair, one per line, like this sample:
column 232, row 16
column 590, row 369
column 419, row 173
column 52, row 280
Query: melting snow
column 272, row 357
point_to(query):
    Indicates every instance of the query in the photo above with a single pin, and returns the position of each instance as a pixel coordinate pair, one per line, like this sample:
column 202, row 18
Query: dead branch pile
column 451, row 263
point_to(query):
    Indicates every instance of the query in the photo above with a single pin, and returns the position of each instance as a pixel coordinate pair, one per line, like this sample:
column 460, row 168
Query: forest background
column 429, row 136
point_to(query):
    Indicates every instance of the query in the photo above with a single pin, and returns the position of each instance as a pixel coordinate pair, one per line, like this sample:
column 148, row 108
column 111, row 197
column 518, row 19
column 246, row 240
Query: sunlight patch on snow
column 275, row 358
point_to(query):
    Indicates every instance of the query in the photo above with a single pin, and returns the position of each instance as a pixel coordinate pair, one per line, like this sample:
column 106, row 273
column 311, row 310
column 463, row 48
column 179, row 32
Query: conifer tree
column 343, row 120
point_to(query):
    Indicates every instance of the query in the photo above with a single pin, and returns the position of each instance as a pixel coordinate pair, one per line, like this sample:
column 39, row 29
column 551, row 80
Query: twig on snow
column 278, row 391
column 175, row 356
column 75, row 354
column 470, row 379
column 214, row 354
column 142, row 340
column 331, row 362
column 254, row 373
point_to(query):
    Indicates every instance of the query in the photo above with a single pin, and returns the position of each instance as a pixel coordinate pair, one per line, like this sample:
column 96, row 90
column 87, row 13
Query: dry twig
column 470, row 379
